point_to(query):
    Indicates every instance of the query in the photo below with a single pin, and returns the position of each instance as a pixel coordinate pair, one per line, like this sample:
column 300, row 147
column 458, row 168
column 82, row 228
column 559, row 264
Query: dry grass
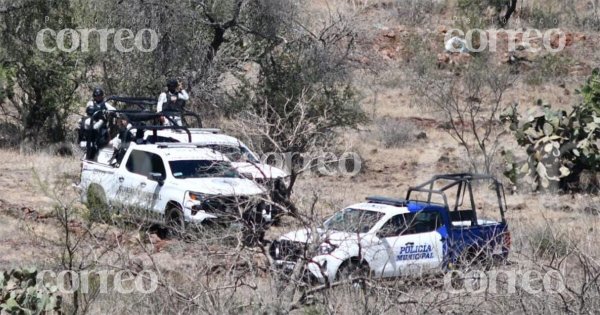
column 184, row 264
column 21, row 177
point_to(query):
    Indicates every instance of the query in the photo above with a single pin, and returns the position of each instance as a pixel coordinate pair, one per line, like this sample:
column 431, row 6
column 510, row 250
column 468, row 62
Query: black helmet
column 172, row 84
column 98, row 92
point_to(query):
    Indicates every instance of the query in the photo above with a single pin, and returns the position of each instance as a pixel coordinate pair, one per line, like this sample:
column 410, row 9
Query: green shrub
column 472, row 13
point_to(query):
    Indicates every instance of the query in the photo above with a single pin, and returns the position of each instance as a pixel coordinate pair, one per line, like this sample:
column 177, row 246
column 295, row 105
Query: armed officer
column 172, row 101
column 95, row 105
column 95, row 122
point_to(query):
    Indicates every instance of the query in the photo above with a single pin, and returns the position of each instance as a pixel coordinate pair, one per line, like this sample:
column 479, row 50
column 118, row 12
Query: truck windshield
column 202, row 169
column 353, row 220
column 233, row 153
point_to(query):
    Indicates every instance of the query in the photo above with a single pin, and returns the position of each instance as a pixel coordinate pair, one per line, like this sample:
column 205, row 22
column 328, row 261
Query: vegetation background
column 308, row 76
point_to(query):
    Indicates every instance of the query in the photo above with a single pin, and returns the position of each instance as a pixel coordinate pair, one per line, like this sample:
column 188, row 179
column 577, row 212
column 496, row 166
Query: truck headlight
column 194, row 201
column 326, row 249
column 195, row 196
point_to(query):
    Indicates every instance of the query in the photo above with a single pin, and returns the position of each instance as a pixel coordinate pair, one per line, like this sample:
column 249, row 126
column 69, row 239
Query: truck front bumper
column 321, row 269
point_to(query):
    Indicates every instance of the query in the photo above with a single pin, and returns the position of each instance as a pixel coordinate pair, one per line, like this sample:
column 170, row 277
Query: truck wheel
column 485, row 259
column 476, row 259
column 351, row 270
column 97, row 204
column 467, row 269
column 175, row 222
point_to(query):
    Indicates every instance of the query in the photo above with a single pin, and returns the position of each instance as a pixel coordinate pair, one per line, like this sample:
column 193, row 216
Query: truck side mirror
column 157, row 177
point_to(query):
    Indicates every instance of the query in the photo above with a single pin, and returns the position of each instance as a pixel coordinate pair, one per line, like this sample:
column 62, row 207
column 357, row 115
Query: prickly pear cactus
column 559, row 145
column 21, row 294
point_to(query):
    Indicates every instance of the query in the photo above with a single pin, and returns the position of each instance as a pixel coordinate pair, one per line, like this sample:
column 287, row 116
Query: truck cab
column 390, row 237
column 242, row 158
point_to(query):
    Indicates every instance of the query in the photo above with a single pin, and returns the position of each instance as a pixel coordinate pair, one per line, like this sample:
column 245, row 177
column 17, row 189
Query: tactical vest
column 97, row 107
column 174, row 103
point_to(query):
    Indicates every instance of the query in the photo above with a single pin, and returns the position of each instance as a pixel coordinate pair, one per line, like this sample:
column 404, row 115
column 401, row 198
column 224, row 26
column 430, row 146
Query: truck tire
column 476, row 258
column 175, row 222
column 97, row 204
column 352, row 269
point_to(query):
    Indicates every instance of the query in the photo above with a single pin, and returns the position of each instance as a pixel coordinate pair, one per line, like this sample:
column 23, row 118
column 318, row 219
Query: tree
column 511, row 6
column 470, row 106
column 40, row 86
column 504, row 9
column 198, row 42
column 302, row 93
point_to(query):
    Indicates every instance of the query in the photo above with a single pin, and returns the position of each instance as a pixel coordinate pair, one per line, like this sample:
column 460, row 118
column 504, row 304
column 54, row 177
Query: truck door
column 150, row 189
column 137, row 191
column 380, row 255
column 419, row 246
column 121, row 185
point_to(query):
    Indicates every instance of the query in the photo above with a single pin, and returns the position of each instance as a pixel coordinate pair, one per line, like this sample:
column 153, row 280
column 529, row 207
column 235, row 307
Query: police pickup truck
column 172, row 183
column 387, row 237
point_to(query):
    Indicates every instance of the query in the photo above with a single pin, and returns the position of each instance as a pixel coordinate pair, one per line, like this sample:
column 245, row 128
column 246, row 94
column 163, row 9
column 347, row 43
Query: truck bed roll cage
column 146, row 104
column 464, row 182
column 137, row 119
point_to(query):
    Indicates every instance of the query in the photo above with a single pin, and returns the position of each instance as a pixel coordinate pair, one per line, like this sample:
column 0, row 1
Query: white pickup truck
column 242, row 158
column 170, row 183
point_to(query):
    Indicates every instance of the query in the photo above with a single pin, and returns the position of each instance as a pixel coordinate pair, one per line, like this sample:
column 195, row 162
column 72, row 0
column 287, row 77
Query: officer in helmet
column 95, row 122
column 172, row 101
column 95, row 105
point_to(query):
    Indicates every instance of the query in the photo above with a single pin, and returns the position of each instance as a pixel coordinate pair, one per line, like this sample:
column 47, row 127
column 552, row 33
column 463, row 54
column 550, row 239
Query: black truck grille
column 227, row 205
column 287, row 250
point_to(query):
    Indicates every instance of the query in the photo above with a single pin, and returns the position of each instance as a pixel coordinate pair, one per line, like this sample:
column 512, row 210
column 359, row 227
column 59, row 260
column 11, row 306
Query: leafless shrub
column 470, row 105
column 548, row 243
column 549, row 67
column 394, row 133
column 414, row 12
